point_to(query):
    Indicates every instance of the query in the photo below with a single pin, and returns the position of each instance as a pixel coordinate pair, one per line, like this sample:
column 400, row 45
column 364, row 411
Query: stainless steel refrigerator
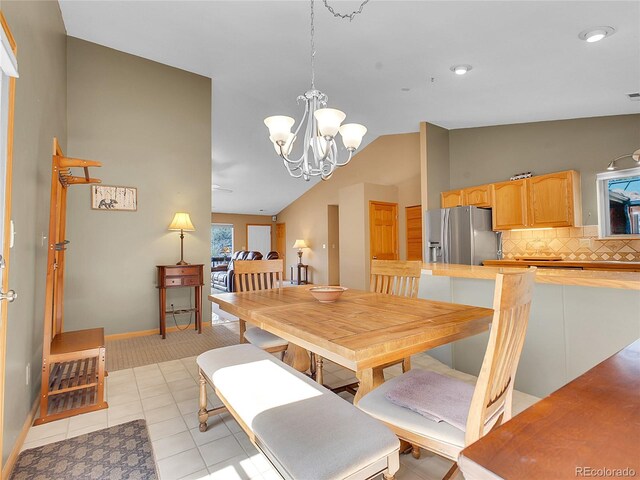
column 460, row 235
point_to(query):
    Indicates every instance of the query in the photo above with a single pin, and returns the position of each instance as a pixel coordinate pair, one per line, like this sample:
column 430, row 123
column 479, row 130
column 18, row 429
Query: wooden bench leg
column 203, row 415
column 388, row 476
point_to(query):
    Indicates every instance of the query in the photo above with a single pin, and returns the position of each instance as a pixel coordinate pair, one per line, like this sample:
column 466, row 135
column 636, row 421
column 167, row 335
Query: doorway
column 8, row 75
column 414, row 232
column 281, row 245
column 259, row 238
column 383, row 230
column 333, row 238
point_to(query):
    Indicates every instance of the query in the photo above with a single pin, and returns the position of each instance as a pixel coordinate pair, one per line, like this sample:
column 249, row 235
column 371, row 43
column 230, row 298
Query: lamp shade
column 279, row 127
column 329, row 120
column 182, row 221
column 352, row 134
column 300, row 244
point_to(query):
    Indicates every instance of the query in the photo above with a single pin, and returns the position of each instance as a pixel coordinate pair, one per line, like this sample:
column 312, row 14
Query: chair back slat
column 394, row 277
column 491, row 403
column 254, row 275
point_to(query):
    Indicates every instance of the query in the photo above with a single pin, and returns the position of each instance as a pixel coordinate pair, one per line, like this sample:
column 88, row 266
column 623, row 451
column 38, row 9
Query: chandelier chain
column 313, row 51
column 350, row 16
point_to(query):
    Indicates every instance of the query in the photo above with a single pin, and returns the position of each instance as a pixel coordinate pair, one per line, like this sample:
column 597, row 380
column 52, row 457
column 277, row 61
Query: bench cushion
column 306, row 430
column 263, row 339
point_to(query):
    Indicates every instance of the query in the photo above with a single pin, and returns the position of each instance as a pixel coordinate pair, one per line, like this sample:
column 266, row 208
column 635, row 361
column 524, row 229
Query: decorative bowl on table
column 327, row 294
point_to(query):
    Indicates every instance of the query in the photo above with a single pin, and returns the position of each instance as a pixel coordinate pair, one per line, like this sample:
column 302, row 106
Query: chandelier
column 320, row 152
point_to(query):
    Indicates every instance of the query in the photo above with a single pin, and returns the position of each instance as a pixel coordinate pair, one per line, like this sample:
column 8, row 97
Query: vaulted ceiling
column 389, row 68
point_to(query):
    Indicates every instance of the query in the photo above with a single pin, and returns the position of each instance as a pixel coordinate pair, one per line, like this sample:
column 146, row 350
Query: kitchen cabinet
column 509, row 200
column 451, row 199
column 543, row 201
column 477, row 196
column 554, row 200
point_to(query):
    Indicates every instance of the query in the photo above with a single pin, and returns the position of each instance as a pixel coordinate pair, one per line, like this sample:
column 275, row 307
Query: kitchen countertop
column 554, row 276
column 583, row 264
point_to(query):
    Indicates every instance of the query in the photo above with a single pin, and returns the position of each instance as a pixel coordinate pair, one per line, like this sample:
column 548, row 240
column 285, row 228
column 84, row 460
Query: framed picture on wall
column 113, row 198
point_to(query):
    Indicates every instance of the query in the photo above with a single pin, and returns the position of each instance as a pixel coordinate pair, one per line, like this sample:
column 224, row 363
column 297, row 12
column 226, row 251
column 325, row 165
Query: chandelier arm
column 292, row 170
column 347, row 161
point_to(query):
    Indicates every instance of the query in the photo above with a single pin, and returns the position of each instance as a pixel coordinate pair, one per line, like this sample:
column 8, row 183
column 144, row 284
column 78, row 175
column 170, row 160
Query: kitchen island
column 578, row 319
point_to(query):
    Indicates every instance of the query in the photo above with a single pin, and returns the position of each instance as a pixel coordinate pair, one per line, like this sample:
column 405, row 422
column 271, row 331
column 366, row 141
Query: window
column 221, row 243
column 619, row 203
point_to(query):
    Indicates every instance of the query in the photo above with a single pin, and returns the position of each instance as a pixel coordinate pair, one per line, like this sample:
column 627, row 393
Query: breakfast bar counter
column 628, row 280
column 578, row 319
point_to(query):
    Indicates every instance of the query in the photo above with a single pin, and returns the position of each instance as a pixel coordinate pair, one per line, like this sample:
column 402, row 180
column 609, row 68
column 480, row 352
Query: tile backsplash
column 574, row 243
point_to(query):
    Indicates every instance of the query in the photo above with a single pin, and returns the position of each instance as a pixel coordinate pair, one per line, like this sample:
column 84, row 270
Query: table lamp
column 300, row 244
column 182, row 222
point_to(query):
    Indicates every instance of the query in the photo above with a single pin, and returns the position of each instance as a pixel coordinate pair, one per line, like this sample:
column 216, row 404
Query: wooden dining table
column 362, row 331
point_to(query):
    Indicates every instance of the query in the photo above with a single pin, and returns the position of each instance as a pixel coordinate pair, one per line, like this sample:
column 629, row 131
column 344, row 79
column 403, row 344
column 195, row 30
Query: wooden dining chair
column 399, row 278
column 255, row 275
column 390, row 277
column 490, row 405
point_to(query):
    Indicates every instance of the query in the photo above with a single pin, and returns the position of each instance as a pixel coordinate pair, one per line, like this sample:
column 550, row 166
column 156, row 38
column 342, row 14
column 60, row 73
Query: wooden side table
column 300, row 279
column 175, row 276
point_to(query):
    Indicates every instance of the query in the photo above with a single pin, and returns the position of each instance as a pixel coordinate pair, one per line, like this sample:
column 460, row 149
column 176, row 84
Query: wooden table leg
column 297, row 357
column 163, row 308
column 369, row 378
column 319, row 370
column 199, row 308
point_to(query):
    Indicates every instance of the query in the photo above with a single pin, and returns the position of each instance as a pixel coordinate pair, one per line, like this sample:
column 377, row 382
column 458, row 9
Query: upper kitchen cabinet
column 477, row 196
column 509, row 200
column 554, row 200
column 451, row 199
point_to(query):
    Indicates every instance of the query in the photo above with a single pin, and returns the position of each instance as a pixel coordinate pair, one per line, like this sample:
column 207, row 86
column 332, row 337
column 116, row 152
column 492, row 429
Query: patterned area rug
column 140, row 351
column 120, row 452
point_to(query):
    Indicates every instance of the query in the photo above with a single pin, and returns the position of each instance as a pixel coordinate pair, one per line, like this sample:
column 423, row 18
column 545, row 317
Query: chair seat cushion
column 378, row 406
column 263, row 339
column 306, row 430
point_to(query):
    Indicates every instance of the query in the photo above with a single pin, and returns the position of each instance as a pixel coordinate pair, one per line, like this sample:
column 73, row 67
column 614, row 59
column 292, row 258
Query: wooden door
column 281, row 245
column 477, row 196
column 551, row 199
column 8, row 74
column 414, row 232
column 509, row 200
column 383, row 230
column 451, row 199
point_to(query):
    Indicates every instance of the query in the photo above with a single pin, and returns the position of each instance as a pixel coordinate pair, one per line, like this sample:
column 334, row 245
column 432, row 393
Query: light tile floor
column 166, row 396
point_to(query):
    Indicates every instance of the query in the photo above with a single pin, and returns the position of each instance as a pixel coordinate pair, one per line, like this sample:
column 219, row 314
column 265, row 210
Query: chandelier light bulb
column 329, row 120
column 352, row 134
column 279, row 128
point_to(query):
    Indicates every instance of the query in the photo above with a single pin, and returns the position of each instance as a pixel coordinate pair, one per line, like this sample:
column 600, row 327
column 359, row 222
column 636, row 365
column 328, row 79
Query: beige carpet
column 139, row 351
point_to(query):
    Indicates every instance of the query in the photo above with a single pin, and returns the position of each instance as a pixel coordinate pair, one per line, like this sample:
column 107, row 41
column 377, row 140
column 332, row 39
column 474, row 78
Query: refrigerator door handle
column 446, row 254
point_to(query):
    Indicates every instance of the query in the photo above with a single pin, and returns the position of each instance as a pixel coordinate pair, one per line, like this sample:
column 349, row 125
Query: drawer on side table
column 182, row 270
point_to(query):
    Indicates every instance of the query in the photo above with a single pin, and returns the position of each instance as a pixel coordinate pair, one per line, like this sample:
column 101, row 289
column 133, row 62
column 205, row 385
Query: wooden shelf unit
column 73, row 363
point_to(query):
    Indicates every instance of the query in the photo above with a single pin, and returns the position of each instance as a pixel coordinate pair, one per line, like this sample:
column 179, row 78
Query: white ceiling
column 528, row 65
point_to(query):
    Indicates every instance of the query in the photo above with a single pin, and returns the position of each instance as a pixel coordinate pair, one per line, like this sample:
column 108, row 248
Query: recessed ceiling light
column 595, row 34
column 460, row 69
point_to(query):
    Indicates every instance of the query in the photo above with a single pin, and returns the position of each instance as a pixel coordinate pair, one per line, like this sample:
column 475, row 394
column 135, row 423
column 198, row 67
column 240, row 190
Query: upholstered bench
column 306, row 431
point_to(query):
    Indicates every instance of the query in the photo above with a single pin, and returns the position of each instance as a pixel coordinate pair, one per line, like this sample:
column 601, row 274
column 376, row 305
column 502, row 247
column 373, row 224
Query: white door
column 8, row 73
column 259, row 238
